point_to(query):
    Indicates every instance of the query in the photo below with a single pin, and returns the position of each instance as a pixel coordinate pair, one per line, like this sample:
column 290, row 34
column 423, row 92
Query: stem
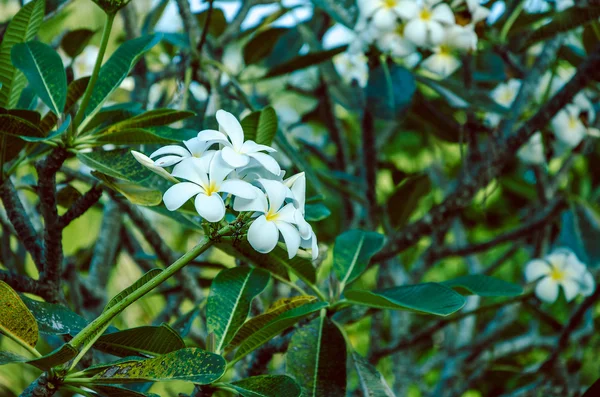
column 290, row 284
column 511, row 20
column 21, row 343
column 106, row 316
column 110, row 18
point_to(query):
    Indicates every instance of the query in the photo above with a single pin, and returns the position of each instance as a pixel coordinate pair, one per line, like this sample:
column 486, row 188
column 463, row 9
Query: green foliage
column 303, row 61
column 371, row 381
column 44, row 69
column 405, row 199
column 59, row 356
column 118, row 391
column 267, row 386
column 262, row 44
column 74, row 42
column 146, row 341
column 12, row 129
column 429, row 298
column 479, row 284
column 189, row 364
column 344, row 11
column 317, row 359
column 352, row 253
column 389, row 91
column 55, row 319
column 16, row 321
column 23, row 27
column 231, row 294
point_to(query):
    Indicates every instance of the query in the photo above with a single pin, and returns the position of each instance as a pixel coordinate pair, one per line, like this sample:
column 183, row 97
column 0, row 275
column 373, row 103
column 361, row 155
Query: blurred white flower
column 425, row 27
column 533, row 151
column 236, row 152
column 395, row 43
column 504, row 94
column 562, row 269
column 352, row 67
column 385, row 13
column 276, row 218
column 477, row 11
column 445, row 59
column 84, row 63
column 206, row 186
column 568, row 127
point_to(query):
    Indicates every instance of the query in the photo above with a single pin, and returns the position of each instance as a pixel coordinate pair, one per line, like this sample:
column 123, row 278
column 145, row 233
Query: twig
column 369, row 154
column 80, row 206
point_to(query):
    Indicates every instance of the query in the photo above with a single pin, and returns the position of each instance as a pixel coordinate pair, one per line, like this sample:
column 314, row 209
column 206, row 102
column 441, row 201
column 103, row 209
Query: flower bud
column 111, row 6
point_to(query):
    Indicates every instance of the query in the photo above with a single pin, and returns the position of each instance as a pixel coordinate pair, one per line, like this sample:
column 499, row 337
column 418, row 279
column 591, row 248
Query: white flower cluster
column 409, row 28
column 221, row 165
column 570, row 125
column 563, row 269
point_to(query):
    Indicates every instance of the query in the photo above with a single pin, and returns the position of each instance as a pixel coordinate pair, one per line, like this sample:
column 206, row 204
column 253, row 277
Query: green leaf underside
column 316, row 358
column 59, row 356
column 135, row 193
column 117, row 391
column 371, row 381
column 45, row 72
column 189, row 364
column 228, row 304
column 12, row 128
column 389, row 91
column 22, row 27
column 114, row 71
column 256, row 323
column 152, row 118
column 148, row 341
column 482, row 285
column 7, row 357
column 136, row 136
column 267, row 386
column 16, row 321
column 184, row 323
column 352, row 252
column 276, row 326
column 403, row 202
column 54, row 319
column 304, row 61
column 267, row 126
column 250, row 125
column 75, row 41
column 429, row 298
column 316, row 212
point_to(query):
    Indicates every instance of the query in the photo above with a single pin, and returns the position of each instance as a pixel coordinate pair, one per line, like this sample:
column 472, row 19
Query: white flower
column 352, row 67
column 174, row 154
column 236, row 152
column 559, row 269
column 148, row 163
column 445, row 59
column 504, row 94
column 426, row 24
column 477, row 11
column 206, row 186
column 568, row 127
column 297, row 185
column 276, row 218
column 84, row 63
column 385, row 13
column 533, row 151
column 395, row 42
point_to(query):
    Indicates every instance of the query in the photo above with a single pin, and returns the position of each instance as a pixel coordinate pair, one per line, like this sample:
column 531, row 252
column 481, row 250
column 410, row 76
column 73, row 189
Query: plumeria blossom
column 427, row 21
column 206, row 186
column 533, row 151
column 385, row 13
column 275, row 218
column 235, row 152
column 174, row 154
column 568, row 126
column 445, row 59
column 561, row 269
column 150, row 164
column 352, row 67
column 297, row 185
column 396, row 43
column 504, row 94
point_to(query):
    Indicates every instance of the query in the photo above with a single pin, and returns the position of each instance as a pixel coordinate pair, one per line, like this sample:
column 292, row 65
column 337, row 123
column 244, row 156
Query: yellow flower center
column 389, row 3
column 506, row 97
column 400, row 29
column 445, row 50
column 211, row 188
column 573, row 122
column 272, row 215
column 557, row 274
column 425, row 14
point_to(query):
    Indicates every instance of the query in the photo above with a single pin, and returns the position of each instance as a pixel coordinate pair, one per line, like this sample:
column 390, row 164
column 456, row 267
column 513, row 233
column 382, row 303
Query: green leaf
column 371, row 381
column 405, row 199
column 389, row 91
column 276, row 326
column 431, row 298
column 16, row 321
column 136, row 194
column 267, row 126
column 229, row 300
column 184, row 323
column 250, row 125
column 352, row 252
column 11, row 358
column 67, row 195
column 253, row 325
column 342, row 11
column 262, row 44
column 562, row 21
column 267, row 386
column 59, row 356
column 44, row 69
column 304, row 61
column 152, row 118
column 12, row 130
column 218, row 22
column 316, row 212
column 580, row 231
column 133, row 136
column 189, row 364
column 22, row 27
column 75, row 41
column 55, row 319
column 74, row 92
column 117, row 391
column 114, row 71
column 316, row 357
column 147, row 341
column 482, row 285
column 133, row 287
column 54, row 134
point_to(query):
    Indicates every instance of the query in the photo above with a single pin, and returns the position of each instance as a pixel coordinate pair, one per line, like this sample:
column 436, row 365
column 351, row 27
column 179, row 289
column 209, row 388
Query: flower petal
column 276, row 192
column 238, row 188
column 435, row 33
column 384, row 19
column 196, row 146
column 587, row 285
column 232, row 127
column 192, row 170
column 441, row 64
column 443, row 13
column 258, row 204
column 570, row 288
column 406, row 9
column 218, row 170
column 416, row 31
column 233, row 158
column 287, row 213
column 536, row 269
column 291, row 236
column 213, row 136
column 168, row 161
column 267, row 161
column 547, row 290
column 303, row 226
column 211, row 208
column 171, row 149
column 252, row 147
column 178, row 194
column 263, row 235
